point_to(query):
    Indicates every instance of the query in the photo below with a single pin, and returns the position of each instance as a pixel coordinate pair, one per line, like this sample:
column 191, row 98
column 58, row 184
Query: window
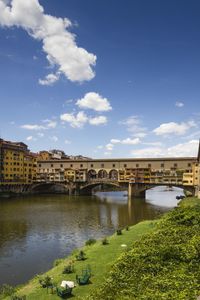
column 175, row 165
column 61, row 165
column 162, row 165
column 91, row 165
column 125, row 165
column 102, row 165
column 71, row 166
column 189, row 164
column 149, row 165
column 137, row 165
column 51, row 165
column 113, row 165
column 81, row 165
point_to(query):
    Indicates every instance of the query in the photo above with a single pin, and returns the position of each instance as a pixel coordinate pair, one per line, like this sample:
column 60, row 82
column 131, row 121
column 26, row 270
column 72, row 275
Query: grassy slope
column 99, row 257
column 164, row 264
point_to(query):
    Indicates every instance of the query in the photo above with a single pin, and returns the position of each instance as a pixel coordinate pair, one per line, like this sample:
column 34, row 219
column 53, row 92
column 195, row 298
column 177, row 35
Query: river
column 36, row 230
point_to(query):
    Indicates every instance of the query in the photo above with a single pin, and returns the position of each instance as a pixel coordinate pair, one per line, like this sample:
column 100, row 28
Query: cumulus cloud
column 33, row 127
column 134, row 125
column 109, row 147
column 174, row 128
column 30, row 138
column 54, row 138
column 80, row 119
column 50, row 79
column 100, row 120
column 67, row 142
column 58, row 42
column 75, row 121
column 49, row 124
column 179, row 104
column 94, row 101
column 188, row 149
column 127, row 141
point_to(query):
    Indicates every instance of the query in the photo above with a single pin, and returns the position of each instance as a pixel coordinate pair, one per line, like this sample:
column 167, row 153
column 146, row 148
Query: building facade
column 169, row 171
column 17, row 164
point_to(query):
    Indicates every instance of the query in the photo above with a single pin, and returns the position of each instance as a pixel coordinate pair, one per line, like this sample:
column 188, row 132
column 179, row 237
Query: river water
column 36, row 230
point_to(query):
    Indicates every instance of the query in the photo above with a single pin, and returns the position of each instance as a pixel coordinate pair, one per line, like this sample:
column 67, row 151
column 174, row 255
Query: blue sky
column 101, row 78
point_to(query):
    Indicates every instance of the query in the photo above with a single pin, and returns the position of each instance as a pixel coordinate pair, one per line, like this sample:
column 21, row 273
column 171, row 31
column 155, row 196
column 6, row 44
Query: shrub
column 81, row 255
column 7, row 290
column 45, row 281
column 15, row 297
column 90, row 242
column 119, row 232
column 105, row 241
column 68, row 269
column 57, row 262
column 127, row 228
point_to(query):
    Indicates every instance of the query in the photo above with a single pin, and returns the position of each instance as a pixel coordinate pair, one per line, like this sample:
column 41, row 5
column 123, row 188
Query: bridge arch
column 102, row 174
column 51, row 187
column 92, row 174
column 113, row 174
column 87, row 188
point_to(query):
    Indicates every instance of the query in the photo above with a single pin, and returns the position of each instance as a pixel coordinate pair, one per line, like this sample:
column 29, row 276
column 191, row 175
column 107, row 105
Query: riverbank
column 99, row 257
column 160, row 261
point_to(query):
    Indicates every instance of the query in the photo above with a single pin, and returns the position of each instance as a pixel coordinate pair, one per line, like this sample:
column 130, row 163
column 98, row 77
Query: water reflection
column 34, row 231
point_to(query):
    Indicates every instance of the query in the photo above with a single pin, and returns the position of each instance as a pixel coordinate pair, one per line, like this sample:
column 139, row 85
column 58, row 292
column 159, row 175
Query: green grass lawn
column 99, row 257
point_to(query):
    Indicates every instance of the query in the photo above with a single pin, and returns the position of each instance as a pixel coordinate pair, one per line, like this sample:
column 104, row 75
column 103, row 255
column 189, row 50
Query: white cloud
column 75, row 121
column 127, row 141
column 179, row 104
column 100, row 147
column 59, row 43
column 40, row 134
column 109, row 147
column 106, row 153
column 30, row 138
column 54, row 138
column 174, row 128
column 188, row 149
column 33, row 127
column 80, row 119
column 133, row 124
column 50, row 79
column 94, row 101
column 100, row 120
column 185, row 149
column 49, row 124
column 148, row 152
column 140, row 134
column 115, row 141
column 67, row 142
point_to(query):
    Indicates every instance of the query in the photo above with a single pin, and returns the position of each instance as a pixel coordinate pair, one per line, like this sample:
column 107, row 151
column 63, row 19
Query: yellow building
column 44, row 155
column 17, row 163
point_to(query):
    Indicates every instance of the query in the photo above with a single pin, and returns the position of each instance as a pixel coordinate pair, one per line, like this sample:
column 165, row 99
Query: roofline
column 118, row 159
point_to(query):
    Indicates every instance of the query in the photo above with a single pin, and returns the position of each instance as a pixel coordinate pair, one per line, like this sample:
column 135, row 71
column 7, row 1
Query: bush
column 45, row 281
column 57, row 262
column 15, row 297
column 105, row 241
column 81, row 255
column 68, row 269
column 119, row 232
column 7, row 290
column 90, row 242
column 127, row 228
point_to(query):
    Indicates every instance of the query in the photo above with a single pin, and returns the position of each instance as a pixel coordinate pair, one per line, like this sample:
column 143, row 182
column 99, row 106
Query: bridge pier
column 136, row 190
